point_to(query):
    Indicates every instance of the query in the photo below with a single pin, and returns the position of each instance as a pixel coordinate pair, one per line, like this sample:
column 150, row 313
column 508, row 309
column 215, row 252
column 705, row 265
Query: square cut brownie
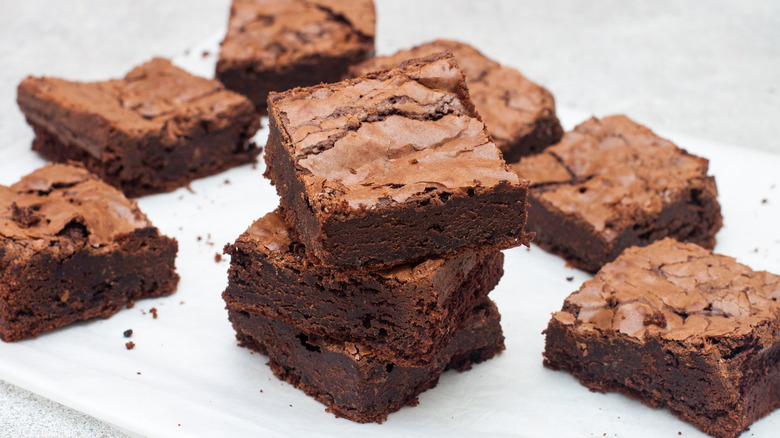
column 276, row 45
column 406, row 314
column 153, row 131
column 519, row 114
column 74, row 248
column 392, row 168
column 611, row 184
column 357, row 385
column 674, row 325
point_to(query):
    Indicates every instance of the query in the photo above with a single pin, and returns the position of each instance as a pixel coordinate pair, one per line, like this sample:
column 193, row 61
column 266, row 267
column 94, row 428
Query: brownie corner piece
column 153, row 131
column 406, row 315
column 74, row 248
column 674, row 325
column 519, row 113
column 281, row 44
column 355, row 384
column 612, row 183
column 392, row 167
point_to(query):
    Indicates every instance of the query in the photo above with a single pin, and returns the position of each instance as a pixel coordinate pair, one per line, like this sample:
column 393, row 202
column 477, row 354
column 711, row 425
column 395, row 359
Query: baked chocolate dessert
column 74, row 248
column 276, row 45
column 392, row 168
column 153, row 131
column 407, row 314
column 353, row 383
column 674, row 325
column 611, row 184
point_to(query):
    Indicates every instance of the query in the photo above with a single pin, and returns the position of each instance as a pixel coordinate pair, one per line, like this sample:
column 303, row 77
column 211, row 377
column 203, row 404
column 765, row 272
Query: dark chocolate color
column 674, row 325
column 611, row 184
column 153, row 131
column 519, row 114
column 74, row 248
column 406, row 314
column 276, row 45
column 392, row 168
column 355, row 384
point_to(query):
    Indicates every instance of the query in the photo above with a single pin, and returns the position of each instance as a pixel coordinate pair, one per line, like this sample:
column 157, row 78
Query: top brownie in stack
column 392, row 168
column 275, row 45
column 519, row 114
column 153, row 131
column 611, row 184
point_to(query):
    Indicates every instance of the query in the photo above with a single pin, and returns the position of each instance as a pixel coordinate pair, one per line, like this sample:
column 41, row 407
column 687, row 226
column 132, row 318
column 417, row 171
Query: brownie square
column 611, row 184
column 74, row 248
column 674, row 325
column 353, row 383
column 276, row 45
column 153, row 131
column 519, row 114
column 392, row 168
column 407, row 314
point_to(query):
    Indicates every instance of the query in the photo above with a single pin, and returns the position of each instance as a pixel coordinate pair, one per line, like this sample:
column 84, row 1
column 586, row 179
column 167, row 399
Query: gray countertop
column 709, row 69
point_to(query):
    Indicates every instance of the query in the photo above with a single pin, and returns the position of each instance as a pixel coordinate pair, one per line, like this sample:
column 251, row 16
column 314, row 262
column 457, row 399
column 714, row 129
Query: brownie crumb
column 764, row 201
column 569, row 278
column 130, row 345
column 130, row 304
column 205, row 53
column 218, row 257
column 189, row 189
column 128, row 333
column 200, row 238
column 181, row 303
column 261, row 390
column 138, row 372
column 227, row 181
column 153, row 311
column 254, row 166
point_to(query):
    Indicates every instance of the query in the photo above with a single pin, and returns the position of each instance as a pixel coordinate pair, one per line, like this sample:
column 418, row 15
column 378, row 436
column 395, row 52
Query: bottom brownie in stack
column 364, row 343
column 357, row 386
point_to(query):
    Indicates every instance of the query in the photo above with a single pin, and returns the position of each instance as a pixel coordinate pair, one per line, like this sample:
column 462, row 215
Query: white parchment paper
column 187, row 377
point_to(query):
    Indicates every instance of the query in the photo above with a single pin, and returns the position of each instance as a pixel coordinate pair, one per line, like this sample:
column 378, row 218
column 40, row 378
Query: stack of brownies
column 372, row 277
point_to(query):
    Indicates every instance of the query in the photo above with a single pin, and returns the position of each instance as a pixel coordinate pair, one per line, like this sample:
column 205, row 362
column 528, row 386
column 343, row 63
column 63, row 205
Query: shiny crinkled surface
column 618, row 170
column 390, row 137
column 278, row 32
column 508, row 102
column 44, row 203
column 678, row 291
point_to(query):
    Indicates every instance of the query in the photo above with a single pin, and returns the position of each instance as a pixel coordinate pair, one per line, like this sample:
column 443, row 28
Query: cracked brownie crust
column 406, row 315
column 74, row 248
column 674, row 325
column 392, row 168
column 276, row 45
column 611, row 184
column 519, row 114
column 357, row 385
column 153, row 131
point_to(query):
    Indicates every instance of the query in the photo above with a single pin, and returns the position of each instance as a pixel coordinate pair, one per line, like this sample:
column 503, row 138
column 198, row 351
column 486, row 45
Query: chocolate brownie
column 153, row 131
column 392, row 168
column 519, row 114
column 674, row 325
column 406, row 314
column 611, row 184
column 74, row 248
column 349, row 379
column 276, row 45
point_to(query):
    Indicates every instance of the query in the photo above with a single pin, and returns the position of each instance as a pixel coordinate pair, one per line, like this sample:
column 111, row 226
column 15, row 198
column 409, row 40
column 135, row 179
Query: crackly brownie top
column 613, row 173
column 269, row 33
column 155, row 98
column 390, row 137
column 270, row 235
column 508, row 102
column 61, row 202
column 678, row 291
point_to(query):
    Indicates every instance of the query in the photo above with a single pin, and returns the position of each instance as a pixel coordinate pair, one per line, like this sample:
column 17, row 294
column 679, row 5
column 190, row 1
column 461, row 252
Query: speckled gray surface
column 708, row 69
